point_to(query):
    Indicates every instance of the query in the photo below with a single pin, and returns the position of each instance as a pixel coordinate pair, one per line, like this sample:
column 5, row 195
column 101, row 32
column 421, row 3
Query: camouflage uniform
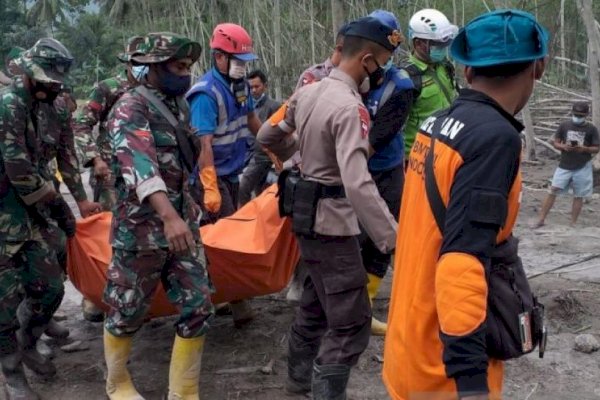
column 32, row 133
column 94, row 113
column 11, row 68
column 145, row 160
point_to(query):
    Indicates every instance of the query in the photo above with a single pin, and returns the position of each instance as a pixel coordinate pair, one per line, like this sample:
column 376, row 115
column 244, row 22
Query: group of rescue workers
column 353, row 140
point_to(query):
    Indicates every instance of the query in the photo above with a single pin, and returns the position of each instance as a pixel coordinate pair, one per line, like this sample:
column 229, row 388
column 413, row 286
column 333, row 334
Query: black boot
column 27, row 336
column 301, row 355
column 15, row 385
column 329, row 381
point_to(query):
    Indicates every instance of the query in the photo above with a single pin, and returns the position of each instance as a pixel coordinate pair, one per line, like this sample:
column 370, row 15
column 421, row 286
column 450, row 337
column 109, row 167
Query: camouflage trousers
column 104, row 191
column 29, row 272
column 133, row 277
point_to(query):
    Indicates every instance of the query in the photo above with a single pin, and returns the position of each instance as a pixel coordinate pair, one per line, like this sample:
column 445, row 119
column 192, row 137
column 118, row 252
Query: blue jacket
column 214, row 110
column 391, row 155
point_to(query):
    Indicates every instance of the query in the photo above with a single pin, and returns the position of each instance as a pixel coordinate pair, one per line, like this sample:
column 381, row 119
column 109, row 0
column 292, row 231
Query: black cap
column 373, row 30
column 342, row 30
column 581, row 108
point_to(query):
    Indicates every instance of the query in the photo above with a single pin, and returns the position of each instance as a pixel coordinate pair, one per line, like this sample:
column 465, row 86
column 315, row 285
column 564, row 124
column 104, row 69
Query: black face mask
column 172, row 84
column 51, row 94
column 376, row 77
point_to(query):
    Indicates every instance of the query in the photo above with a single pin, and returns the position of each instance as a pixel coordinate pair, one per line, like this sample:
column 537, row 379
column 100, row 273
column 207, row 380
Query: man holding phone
column 577, row 141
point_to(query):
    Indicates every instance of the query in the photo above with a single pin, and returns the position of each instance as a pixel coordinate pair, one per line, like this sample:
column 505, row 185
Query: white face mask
column 237, row 68
column 578, row 120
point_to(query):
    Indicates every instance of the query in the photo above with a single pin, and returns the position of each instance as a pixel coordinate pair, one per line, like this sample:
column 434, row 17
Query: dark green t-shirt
column 581, row 135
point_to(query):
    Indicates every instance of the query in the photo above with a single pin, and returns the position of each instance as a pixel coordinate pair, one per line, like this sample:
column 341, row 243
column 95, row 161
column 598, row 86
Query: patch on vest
column 364, row 121
column 308, row 78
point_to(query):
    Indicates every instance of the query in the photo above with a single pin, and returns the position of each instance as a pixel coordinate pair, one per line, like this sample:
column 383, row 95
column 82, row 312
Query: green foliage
column 95, row 44
column 14, row 30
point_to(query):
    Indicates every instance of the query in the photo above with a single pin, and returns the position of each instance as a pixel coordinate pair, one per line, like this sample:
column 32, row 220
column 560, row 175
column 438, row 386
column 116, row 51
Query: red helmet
column 234, row 40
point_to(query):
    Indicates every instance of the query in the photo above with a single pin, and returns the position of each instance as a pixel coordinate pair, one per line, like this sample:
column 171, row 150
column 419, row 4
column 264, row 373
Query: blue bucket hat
column 500, row 37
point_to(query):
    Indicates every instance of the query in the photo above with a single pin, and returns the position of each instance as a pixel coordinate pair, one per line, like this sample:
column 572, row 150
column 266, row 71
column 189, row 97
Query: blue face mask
column 438, row 54
column 578, row 120
column 139, row 71
column 388, row 65
column 172, row 84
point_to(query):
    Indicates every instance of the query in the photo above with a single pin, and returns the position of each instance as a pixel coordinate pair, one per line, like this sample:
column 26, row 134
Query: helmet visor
column 446, row 34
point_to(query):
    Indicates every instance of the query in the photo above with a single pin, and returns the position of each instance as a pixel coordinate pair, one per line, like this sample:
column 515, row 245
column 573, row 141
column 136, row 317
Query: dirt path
column 572, row 299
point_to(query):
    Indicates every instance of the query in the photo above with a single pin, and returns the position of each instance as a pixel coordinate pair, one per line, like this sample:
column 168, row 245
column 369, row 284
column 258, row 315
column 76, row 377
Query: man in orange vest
column 436, row 340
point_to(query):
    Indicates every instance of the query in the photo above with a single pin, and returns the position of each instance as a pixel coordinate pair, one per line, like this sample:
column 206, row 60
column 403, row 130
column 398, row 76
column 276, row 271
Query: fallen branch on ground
column 532, row 391
column 581, row 96
column 584, row 259
column 583, row 328
column 267, row 369
column 547, row 145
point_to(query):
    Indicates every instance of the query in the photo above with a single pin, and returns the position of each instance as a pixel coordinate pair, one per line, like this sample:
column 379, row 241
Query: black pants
column 229, row 189
column 334, row 309
column 390, row 184
column 254, row 178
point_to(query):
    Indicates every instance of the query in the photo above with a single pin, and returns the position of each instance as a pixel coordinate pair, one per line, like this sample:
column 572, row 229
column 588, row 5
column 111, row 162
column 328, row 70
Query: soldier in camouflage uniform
column 33, row 132
column 155, row 235
column 94, row 149
column 10, row 66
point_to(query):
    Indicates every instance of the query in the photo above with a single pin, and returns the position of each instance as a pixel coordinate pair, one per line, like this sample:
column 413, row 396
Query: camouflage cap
column 47, row 61
column 131, row 48
column 162, row 46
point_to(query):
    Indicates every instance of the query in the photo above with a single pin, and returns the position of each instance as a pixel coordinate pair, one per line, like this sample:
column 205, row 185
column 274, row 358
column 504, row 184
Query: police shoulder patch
column 307, row 78
column 365, row 120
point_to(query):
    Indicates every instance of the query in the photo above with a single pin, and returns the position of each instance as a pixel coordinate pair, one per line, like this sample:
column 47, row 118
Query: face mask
column 259, row 98
column 438, row 54
column 388, row 65
column 578, row 120
column 139, row 71
column 49, row 93
column 376, row 77
column 237, row 69
column 172, row 84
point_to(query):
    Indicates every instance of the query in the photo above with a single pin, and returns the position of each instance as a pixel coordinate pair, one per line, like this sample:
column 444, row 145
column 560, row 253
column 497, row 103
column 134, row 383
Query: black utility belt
column 298, row 198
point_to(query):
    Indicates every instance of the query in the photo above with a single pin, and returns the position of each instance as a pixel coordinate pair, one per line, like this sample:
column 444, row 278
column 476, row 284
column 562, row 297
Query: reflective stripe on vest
column 230, row 138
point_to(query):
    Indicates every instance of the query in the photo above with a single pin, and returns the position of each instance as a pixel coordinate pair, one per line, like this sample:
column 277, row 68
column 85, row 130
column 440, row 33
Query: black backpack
column 416, row 75
column 515, row 319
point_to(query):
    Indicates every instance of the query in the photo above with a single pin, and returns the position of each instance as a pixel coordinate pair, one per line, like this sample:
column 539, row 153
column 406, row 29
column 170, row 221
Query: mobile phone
column 574, row 143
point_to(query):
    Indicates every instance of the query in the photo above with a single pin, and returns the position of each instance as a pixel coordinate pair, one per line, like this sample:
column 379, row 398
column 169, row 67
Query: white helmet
column 432, row 25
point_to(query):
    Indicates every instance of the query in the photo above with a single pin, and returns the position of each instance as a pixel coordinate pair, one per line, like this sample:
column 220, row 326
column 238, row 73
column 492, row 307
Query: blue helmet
column 386, row 18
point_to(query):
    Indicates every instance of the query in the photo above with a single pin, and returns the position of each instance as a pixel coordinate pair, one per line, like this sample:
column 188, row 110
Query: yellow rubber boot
column 118, row 380
column 378, row 328
column 184, row 372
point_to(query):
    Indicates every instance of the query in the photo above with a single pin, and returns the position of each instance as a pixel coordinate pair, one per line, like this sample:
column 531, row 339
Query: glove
column 62, row 214
column 212, row 196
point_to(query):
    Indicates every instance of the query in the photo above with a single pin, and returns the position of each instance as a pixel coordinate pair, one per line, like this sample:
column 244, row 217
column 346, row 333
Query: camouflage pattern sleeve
column 19, row 168
column 86, row 119
column 134, row 147
column 66, row 157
